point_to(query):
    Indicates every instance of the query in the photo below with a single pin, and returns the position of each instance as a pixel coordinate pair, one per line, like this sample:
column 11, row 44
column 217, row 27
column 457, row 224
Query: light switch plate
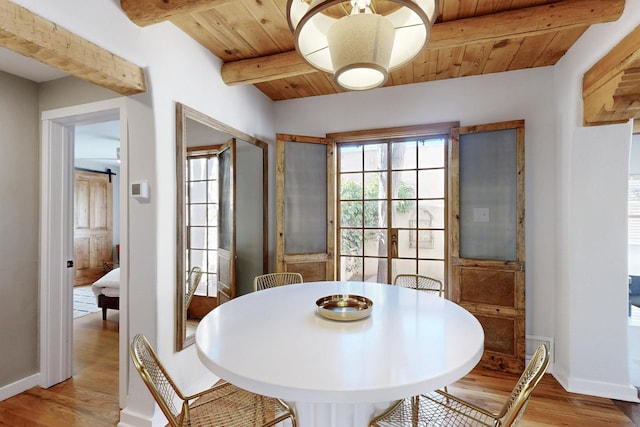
column 480, row 214
column 140, row 190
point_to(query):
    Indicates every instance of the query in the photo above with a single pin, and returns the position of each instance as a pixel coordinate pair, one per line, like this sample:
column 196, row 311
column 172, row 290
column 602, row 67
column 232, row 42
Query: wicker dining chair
column 271, row 280
column 192, row 284
column 439, row 408
column 221, row 405
column 419, row 282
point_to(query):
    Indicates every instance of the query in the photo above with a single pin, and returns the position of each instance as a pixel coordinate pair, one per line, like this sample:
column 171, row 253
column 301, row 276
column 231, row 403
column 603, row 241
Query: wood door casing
column 93, row 226
column 493, row 290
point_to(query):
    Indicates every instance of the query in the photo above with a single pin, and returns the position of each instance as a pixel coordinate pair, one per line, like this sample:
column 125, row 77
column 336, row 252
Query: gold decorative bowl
column 344, row 307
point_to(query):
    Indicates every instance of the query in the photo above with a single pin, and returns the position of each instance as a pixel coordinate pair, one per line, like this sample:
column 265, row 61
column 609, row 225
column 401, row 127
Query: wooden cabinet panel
column 499, row 334
column 311, row 271
column 82, row 253
column 488, row 287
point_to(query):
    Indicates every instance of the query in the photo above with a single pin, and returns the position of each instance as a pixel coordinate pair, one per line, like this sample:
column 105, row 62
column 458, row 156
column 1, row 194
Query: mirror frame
column 183, row 113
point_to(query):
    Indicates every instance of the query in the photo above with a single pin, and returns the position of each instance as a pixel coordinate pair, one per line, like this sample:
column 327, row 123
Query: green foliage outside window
column 371, row 212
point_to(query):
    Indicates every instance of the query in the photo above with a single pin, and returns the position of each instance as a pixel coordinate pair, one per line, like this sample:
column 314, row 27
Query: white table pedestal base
column 336, row 414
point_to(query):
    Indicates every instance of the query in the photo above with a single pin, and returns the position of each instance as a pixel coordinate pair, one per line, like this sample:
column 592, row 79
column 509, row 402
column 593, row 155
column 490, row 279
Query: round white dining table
column 339, row 373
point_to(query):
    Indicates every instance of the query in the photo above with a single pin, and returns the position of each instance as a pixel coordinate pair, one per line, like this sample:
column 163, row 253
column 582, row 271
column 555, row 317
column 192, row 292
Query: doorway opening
column 96, row 199
column 61, row 130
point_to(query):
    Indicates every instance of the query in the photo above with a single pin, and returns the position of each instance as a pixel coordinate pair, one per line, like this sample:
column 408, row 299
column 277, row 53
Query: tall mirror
column 205, row 171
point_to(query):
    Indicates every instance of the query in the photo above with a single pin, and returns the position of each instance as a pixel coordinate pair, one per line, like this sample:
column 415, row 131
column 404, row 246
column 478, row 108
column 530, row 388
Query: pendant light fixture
column 360, row 41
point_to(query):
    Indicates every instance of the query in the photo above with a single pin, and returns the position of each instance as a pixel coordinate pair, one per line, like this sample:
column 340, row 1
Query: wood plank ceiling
column 470, row 37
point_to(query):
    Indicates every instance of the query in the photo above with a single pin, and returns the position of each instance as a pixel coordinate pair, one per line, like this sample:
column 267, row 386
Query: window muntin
column 202, row 219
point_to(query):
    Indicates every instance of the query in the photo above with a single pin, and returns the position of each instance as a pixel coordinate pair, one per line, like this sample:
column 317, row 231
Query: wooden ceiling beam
column 611, row 88
column 31, row 35
column 147, row 12
column 264, row 69
column 519, row 23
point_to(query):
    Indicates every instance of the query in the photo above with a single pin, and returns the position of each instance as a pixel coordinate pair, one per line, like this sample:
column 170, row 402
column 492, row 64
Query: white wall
column 591, row 309
column 634, row 161
column 180, row 70
column 471, row 100
column 177, row 69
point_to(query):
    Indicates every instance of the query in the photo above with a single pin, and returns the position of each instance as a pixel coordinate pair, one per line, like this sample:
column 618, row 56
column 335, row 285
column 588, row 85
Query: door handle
column 393, row 232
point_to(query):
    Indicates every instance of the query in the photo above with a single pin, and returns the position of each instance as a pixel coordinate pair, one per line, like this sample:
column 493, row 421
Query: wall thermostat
column 140, row 191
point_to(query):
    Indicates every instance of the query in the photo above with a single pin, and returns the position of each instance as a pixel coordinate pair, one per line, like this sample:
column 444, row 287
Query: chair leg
column 415, row 410
column 104, row 313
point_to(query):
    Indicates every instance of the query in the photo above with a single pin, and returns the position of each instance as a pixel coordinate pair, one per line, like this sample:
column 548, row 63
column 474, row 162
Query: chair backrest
column 419, row 282
column 271, row 280
column 156, row 378
column 192, row 284
column 517, row 402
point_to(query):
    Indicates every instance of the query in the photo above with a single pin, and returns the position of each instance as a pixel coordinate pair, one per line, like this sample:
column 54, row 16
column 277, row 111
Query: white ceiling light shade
column 363, row 62
column 360, row 41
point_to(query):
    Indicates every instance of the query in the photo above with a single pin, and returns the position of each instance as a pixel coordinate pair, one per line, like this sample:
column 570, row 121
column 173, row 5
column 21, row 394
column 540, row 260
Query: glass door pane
column 418, row 206
column 488, row 195
column 362, row 208
column 305, row 198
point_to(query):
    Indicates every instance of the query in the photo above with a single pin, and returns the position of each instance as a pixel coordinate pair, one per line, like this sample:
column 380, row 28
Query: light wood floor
column 89, row 399
column 549, row 405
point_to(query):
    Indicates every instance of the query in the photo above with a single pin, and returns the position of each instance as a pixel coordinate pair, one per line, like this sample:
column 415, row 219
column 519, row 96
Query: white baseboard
column 19, row 386
column 633, row 339
column 627, row 393
column 135, row 419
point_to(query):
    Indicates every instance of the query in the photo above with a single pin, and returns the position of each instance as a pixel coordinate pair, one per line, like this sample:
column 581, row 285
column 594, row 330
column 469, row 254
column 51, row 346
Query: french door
column 487, row 265
column 304, row 206
column 391, row 205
